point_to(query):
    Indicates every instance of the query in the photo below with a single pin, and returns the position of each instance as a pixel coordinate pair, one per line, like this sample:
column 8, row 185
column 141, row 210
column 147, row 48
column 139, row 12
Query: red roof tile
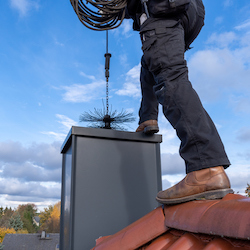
column 182, row 240
column 208, row 225
column 227, row 217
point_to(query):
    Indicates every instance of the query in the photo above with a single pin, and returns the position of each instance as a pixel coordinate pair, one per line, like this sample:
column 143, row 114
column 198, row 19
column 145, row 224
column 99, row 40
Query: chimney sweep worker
column 167, row 29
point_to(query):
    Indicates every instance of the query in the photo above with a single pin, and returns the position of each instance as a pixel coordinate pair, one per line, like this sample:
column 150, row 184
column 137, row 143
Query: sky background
column 52, row 70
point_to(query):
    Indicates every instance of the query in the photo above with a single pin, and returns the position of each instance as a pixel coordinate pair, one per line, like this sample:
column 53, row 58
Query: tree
column 22, row 231
column 50, row 218
column 4, row 230
column 27, row 213
column 16, row 222
column 247, row 191
column 5, row 217
column 44, row 216
column 1, row 212
column 54, row 220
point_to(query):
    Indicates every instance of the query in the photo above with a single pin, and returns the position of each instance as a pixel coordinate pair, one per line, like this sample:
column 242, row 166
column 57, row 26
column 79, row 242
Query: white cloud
column 222, row 40
column 43, row 154
column 244, row 25
column 30, row 174
column 78, row 93
column 131, row 87
column 165, row 184
column 23, row 6
column 123, row 59
column 170, row 142
column 7, row 149
column 57, row 136
column 15, row 188
column 67, row 124
column 224, row 67
column 66, row 121
column 172, row 164
column 239, row 177
column 87, row 76
column 170, row 180
column 126, row 27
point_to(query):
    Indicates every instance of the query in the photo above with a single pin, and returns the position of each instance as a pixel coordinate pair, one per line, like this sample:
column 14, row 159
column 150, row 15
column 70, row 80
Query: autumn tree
column 54, row 220
column 247, row 191
column 27, row 213
column 44, row 216
column 5, row 217
column 50, row 218
column 4, row 230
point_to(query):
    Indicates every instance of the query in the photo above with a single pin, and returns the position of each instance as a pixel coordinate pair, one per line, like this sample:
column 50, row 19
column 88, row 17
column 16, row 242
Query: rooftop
column 30, row 242
column 208, row 224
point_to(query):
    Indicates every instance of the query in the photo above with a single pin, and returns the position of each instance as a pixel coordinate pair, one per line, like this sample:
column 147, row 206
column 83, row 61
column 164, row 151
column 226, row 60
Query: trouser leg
column 192, row 22
column 149, row 104
column 201, row 146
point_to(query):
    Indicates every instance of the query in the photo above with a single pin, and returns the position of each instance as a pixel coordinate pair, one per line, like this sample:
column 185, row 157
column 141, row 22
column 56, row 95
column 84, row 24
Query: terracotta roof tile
column 208, row 225
column 227, row 217
column 165, row 240
column 219, row 243
column 187, row 241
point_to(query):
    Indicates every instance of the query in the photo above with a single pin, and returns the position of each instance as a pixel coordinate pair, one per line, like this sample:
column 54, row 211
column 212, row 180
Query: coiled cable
column 100, row 14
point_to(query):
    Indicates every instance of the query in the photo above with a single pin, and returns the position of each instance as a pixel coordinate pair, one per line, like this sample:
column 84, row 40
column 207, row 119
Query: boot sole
column 151, row 130
column 209, row 195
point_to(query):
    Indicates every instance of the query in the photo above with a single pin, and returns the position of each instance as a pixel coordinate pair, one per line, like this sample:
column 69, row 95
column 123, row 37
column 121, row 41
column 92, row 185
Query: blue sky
column 52, row 70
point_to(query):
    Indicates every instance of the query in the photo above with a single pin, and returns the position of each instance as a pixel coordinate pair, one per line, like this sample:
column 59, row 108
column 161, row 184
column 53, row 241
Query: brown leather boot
column 148, row 127
column 210, row 183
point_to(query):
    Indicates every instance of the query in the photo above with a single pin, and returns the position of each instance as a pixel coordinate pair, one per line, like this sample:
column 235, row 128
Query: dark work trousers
column 164, row 80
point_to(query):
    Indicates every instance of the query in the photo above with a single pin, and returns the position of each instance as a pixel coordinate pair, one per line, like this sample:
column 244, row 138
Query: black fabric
column 165, row 73
column 164, row 80
column 164, row 7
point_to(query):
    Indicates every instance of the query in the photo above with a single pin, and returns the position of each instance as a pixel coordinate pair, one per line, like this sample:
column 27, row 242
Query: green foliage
column 1, row 212
column 21, row 220
column 27, row 213
column 5, row 217
column 44, row 216
column 16, row 222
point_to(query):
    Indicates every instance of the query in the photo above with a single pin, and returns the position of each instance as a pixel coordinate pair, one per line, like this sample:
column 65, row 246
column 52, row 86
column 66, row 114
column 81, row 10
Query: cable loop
column 100, row 14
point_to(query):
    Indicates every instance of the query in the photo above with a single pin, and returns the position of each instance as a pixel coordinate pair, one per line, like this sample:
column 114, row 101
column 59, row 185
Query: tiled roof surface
column 30, row 242
column 209, row 224
column 228, row 217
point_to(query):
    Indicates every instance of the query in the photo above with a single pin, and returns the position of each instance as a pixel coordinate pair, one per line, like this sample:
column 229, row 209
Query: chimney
column 43, row 235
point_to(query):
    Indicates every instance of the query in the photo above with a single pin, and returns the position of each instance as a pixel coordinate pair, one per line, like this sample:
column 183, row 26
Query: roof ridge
column 216, row 223
column 209, row 216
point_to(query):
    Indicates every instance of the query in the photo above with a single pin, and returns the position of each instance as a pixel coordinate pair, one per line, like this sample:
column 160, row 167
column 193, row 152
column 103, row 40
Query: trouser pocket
column 151, row 52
